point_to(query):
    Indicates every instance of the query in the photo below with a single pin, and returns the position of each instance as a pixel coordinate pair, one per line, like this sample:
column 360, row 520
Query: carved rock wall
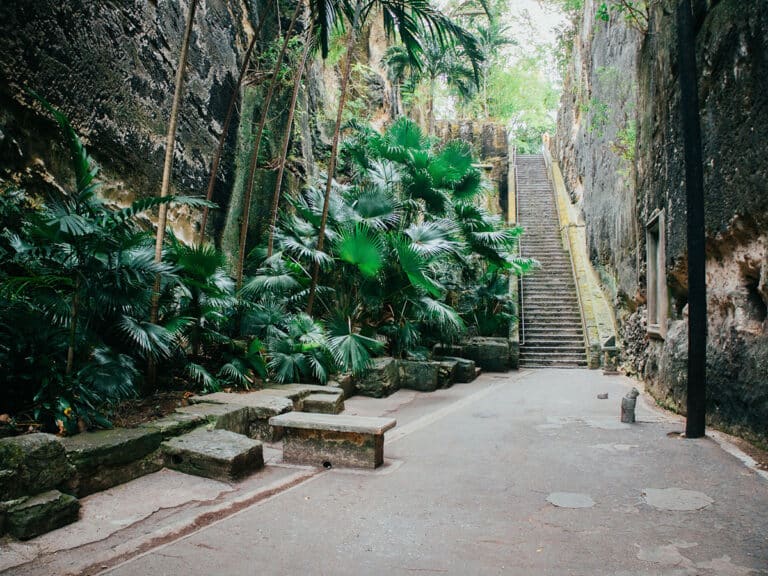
column 732, row 45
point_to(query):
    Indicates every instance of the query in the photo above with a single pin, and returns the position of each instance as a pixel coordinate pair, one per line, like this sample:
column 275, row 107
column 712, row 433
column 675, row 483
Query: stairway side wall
column 619, row 177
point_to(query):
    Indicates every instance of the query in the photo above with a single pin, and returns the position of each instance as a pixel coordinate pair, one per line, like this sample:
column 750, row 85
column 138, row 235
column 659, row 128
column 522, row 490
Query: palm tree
column 411, row 20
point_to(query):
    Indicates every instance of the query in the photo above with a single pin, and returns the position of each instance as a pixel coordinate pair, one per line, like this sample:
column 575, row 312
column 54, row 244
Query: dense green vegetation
column 388, row 253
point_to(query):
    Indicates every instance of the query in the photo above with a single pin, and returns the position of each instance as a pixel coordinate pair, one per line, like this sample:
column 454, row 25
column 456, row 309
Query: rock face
column 31, row 464
column 112, row 71
column 620, row 145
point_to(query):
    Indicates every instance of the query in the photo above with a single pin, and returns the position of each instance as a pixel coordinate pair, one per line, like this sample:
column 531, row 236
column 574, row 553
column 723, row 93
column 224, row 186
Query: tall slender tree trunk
column 431, row 106
column 228, row 120
column 170, row 144
column 694, row 185
column 334, row 152
column 286, row 142
column 73, row 327
column 256, row 148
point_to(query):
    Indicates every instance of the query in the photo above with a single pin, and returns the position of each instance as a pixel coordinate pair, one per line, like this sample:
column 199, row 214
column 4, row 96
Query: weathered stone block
column 381, row 380
column 39, row 514
column 344, row 382
column 465, row 368
column 175, row 424
column 421, row 376
column 446, row 373
column 333, row 440
column 324, row 403
column 217, row 454
column 110, row 457
column 261, row 405
column 233, row 417
column 491, row 354
column 31, row 464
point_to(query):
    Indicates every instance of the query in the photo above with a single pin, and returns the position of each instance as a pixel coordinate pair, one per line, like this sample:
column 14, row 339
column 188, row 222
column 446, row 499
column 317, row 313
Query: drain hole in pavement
column 327, row 465
column 177, row 459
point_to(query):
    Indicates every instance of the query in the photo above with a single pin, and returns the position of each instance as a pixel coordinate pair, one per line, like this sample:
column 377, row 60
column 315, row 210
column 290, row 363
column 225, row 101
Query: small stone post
column 628, row 404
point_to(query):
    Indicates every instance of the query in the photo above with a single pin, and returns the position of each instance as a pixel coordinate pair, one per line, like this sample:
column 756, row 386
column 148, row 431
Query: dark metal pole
column 694, row 186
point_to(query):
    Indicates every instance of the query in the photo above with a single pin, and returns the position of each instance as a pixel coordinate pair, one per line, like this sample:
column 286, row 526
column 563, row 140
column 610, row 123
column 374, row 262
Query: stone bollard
column 628, row 404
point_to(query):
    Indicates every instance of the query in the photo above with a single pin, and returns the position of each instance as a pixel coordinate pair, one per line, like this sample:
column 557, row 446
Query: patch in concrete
column 667, row 555
column 570, row 500
column 676, row 499
column 605, row 424
column 724, row 567
column 616, row 447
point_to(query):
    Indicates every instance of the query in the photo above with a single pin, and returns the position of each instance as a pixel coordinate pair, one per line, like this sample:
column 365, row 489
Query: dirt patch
column 136, row 411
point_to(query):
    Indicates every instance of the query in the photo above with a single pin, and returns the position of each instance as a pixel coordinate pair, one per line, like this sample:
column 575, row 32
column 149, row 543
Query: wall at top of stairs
column 621, row 153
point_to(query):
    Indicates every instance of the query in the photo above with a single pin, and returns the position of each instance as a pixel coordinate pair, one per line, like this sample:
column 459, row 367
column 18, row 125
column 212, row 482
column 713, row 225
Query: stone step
column 553, row 364
column 561, row 334
column 526, row 354
column 217, row 454
column 324, row 404
column 559, row 348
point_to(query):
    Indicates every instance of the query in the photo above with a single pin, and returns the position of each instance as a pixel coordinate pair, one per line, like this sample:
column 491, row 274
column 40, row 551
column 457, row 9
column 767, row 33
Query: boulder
column 30, row 517
column 31, row 464
column 421, row 376
column 217, row 454
column 381, row 380
column 491, row 354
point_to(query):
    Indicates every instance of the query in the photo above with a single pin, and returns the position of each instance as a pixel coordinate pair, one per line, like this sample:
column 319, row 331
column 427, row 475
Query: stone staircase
column 551, row 327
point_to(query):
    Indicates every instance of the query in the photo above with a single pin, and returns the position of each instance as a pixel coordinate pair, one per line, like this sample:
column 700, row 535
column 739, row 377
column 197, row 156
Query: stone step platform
column 217, row 454
column 333, row 440
column 324, row 403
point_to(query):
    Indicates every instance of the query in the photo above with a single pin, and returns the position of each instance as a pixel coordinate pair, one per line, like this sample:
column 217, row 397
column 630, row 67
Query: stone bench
column 333, row 440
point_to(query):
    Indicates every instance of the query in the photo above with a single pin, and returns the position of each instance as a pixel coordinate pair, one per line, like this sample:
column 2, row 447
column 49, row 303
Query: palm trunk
column 257, row 146
column 694, row 185
column 73, row 327
column 227, row 121
column 169, row 148
column 334, row 152
column 286, row 142
column 431, row 107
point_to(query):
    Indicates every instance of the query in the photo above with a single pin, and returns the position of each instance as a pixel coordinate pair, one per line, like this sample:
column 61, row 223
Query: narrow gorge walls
column 620, row 145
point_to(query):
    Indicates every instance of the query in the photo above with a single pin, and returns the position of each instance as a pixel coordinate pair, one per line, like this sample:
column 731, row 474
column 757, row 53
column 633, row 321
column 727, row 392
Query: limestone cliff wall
column 620, row 178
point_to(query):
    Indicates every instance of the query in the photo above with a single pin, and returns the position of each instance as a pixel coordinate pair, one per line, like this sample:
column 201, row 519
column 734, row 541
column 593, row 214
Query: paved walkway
column 520, row 474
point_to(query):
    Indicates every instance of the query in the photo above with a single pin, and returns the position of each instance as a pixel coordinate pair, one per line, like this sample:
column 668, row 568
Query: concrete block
column 217, row 454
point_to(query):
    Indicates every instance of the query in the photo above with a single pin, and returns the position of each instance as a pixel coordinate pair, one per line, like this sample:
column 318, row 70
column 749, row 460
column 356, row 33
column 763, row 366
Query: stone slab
column 175, row 424
column 110, row 457
column 261, row 405
column 31, row 464
column 217, row 454
column 420, row 376
column 329, row 448
column 233, row 417
column 381, row 380
column 39, row 514
column 335, row 422
column 490, row 354
column 324, row 403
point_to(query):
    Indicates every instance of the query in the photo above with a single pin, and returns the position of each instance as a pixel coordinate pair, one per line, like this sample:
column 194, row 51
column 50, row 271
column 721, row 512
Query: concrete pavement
column 523, row 473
